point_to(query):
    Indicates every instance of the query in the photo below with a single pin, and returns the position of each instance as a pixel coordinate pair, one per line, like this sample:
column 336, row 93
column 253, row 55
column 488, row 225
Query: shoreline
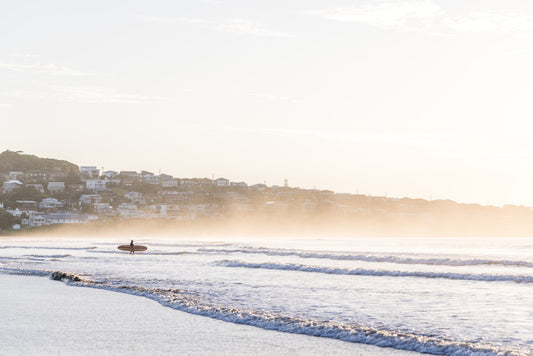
column 54, row 318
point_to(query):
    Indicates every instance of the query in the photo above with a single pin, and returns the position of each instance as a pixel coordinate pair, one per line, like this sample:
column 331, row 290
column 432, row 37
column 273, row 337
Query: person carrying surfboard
column 132, row 251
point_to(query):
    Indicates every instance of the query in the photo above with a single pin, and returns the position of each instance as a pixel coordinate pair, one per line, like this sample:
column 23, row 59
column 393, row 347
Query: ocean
column 443, row 296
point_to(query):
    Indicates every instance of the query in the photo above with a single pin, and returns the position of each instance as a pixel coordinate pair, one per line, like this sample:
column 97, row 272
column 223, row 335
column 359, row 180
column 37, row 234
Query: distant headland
column 49, row 195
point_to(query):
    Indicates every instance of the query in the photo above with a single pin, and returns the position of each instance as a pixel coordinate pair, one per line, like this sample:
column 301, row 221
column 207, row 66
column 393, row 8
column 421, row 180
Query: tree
column 7, row 220
column 23, row 193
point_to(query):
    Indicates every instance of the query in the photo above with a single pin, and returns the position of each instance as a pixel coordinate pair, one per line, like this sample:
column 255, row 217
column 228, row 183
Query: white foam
column 370, row 258
column 371, row 272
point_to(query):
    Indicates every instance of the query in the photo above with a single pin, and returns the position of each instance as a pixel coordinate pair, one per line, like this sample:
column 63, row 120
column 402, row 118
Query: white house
column 128, row 210
column 95, row 185
column 135, row 197
column 11, row 184
column 222, row 182
column 165, row 210
column 48, row 203
column 103, row 208
column 89, row 199
column 169, row 183
column 89, row 171
column 238, row 184
column 110, row 174
column 16, row 175
column 54, row 187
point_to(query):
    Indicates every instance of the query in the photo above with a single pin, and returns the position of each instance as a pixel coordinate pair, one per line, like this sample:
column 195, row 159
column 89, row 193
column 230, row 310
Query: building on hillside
column 165, row 210
column 27, row 205
column 11, row 184
column 129, row 210
column 222, row 182
column 95, row 185
column 89, row 199
column 259, row 187
column 57, row 176
column 186, row 182
column 128, row 177
column 103, row 209
column 110, row 174
column 172, row 196
column 48, row 203
column 89, row 172
column 16, row 175
column 238, row 184
column 155, row 180
column 37, row 176
column 55, row 187
column 136, row 197
column 57, row 218
column 169, row 183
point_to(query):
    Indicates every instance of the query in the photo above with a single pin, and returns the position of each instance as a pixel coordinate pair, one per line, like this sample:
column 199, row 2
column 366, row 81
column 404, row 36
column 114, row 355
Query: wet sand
column 41, row 316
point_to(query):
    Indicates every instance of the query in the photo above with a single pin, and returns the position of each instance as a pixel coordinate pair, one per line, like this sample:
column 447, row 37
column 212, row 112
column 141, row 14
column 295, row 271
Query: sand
column 41, row 316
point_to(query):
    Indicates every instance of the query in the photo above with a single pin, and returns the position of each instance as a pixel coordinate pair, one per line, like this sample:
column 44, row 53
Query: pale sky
column 416, row 98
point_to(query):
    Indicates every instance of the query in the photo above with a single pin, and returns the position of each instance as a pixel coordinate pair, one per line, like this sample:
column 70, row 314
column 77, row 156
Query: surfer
column 132, row 249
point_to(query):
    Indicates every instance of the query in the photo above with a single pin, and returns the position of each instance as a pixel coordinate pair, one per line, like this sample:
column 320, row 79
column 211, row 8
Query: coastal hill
column 11, row 161
column 43, row 193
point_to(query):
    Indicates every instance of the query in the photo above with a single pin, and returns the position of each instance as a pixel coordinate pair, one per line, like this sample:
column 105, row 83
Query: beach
column 441, row 296
column 45, row 317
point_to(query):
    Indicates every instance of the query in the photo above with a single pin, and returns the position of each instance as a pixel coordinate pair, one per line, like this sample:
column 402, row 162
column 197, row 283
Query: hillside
column 13, row 161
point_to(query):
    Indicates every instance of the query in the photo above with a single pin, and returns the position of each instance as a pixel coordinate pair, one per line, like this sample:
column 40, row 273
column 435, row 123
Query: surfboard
column 135, row 248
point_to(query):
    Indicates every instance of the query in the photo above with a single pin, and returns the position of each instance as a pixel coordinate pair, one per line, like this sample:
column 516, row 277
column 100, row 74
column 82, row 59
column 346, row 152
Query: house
column 128, row 210
column 38, row 187
column 89, row 172
column 54, row 187
column 128, row 177
column 155, row 180
column 95, row 185
column 11, row 184
column 89, row 199
column 169, row 183
column 135, row 197
column 103, row 208
column 186, row 182
column 172, row 196
column 258, row 187
column 238, row 184
column 37, row 176
column 27, row 205
column 16, row 175
column 222, row 182
column 164, row 210
column 57, row 176
column 48, row 203
column 60, row 218
column 110, row 174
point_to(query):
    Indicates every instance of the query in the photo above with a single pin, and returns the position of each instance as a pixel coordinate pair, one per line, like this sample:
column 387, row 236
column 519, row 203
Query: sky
column 404, row 98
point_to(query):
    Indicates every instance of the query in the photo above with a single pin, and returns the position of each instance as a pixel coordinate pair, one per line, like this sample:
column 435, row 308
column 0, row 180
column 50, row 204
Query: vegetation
column 14, row 161
column 7, row 220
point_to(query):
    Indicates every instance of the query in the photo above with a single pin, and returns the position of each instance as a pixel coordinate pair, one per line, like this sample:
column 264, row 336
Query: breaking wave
column 379, row 273
column 370, row 258
column 350, row 332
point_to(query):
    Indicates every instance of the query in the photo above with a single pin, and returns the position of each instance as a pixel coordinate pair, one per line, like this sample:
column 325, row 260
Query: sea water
column 447, row 296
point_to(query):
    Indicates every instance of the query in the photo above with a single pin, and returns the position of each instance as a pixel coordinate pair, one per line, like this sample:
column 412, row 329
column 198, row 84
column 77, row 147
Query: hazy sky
column 418, row 98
